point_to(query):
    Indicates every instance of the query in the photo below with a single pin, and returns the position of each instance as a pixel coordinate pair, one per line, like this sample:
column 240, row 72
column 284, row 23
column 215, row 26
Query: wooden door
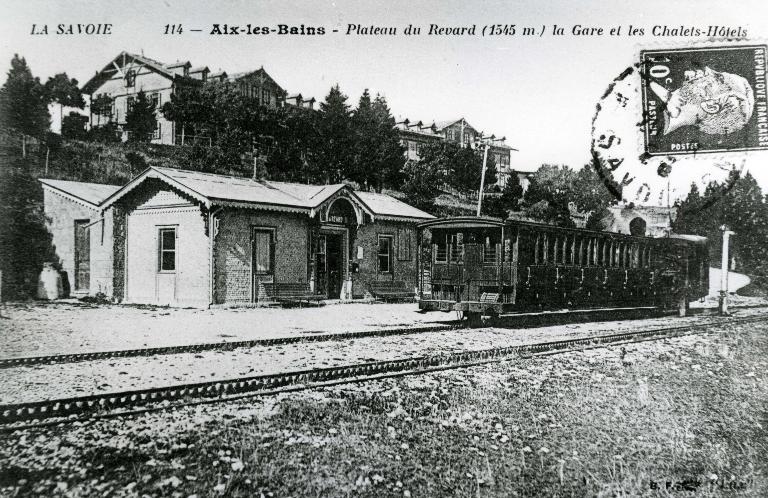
column 82, row 256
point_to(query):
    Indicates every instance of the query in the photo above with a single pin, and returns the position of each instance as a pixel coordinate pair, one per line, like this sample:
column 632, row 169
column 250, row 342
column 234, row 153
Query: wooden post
column 724, row 271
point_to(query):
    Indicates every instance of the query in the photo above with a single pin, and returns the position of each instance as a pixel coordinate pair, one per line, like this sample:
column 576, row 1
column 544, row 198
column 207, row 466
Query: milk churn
column 49, row 285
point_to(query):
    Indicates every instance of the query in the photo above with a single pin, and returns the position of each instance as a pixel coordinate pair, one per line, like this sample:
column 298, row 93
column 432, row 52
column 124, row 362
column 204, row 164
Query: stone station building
column 197, row 239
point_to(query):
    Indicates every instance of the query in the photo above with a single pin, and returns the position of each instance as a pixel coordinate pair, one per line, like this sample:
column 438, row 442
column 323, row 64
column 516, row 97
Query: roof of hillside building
column 88, row 193
column 170, row 71
column 214, row 189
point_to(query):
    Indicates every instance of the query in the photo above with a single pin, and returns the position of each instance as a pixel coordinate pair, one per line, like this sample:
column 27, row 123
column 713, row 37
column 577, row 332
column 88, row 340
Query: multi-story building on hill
column 414, row 135
column 128, row 74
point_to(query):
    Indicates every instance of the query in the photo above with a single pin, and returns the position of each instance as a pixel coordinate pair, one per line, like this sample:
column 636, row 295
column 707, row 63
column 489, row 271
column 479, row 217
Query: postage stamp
column 700, row 100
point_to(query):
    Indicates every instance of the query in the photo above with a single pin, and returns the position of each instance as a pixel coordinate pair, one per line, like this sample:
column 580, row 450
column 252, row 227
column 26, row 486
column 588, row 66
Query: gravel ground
column 71, row 327
column 60, row 328
column 33, row 383
column 682, row 417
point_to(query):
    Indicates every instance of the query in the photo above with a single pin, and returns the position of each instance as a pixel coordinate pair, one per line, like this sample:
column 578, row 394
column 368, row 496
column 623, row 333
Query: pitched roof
column 214, row 189
column 388, row 206
column 88, row 193
column 94, row 83
column 445, row 124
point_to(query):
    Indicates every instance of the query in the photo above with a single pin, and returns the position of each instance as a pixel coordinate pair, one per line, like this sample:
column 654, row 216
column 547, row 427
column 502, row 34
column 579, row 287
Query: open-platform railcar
column 486, row 266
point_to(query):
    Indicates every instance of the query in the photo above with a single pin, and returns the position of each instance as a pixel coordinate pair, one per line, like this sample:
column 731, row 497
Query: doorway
column 82, row 256
column 329, row 265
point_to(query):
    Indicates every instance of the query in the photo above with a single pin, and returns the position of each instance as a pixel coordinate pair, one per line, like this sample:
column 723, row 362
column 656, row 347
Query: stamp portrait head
column 715, row 102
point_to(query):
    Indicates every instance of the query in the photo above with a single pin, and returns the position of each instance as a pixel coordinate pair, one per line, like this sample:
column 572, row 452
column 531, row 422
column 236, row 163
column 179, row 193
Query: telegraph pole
column 724, row 271
column 482, row 177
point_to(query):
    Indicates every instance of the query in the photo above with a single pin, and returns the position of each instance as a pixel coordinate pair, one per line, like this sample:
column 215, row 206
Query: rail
column 223, row 390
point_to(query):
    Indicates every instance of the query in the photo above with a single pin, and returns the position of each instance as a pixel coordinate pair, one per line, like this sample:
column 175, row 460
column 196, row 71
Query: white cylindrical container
column 49, row 284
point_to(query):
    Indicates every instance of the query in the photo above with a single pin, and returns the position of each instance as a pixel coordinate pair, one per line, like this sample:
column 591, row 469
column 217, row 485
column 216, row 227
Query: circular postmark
column 679, row 117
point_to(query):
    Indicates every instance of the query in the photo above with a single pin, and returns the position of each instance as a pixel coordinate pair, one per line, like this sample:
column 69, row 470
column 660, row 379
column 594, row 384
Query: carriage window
column 456, row 247
column 441, row 248
column 489, row 250
column 551, row 255
column 635, row 255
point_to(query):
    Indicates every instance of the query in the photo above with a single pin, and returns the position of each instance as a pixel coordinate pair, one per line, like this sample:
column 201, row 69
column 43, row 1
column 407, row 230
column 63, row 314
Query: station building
column 188, row 238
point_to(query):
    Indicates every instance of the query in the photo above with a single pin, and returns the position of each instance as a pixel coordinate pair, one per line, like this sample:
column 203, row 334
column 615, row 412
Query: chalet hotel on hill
column 128, row 74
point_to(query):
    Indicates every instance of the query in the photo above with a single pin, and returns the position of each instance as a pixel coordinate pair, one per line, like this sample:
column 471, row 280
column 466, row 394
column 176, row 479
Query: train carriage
column 486, row 266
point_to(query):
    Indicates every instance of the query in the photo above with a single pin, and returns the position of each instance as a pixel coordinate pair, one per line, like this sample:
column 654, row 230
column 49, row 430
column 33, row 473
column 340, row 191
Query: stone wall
column 233, row 250
column 403, row 261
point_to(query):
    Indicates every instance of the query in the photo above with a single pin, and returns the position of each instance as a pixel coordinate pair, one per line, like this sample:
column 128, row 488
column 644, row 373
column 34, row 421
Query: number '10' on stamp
column 710, row 99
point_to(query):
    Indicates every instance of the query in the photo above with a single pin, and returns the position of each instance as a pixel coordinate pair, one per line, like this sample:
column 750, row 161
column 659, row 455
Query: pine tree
column 390, row 157
column 140, row 120
column 336, row 144
column 365, row 127
column 65, row 92
column 24, row 101
column 512, row 194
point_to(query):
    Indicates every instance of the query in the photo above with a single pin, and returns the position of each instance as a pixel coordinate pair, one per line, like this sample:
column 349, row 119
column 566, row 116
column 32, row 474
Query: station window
column 166, row 250
column 385, row 254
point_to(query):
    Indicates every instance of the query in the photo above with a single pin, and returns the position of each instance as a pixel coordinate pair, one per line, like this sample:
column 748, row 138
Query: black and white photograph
column 358, row 248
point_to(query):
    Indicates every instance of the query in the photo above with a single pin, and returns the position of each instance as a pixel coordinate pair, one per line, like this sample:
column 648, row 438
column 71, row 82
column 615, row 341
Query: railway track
column 518, row 320
column 126, row 402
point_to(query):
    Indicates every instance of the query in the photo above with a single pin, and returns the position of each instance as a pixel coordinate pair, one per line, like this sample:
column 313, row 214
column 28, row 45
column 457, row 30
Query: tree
column 140, row 120
column 548, row 194
column 499, row 206
column 73, row 126
column 390, row 156
column 65, row 92
column 336, row 144
column 101, row 106
column 421, row 184
column 512, row 193
column 738, row 203
column 25, row 243
column 24, row 101
column 188, row 107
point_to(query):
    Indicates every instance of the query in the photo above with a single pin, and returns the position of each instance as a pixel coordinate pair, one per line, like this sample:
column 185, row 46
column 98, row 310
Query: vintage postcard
column 343, row 248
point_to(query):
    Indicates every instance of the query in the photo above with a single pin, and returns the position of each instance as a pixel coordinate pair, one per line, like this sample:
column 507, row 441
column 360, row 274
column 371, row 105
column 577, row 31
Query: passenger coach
column 485, row 266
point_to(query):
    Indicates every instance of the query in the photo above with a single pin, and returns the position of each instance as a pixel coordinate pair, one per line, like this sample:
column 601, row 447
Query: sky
column 537, row 91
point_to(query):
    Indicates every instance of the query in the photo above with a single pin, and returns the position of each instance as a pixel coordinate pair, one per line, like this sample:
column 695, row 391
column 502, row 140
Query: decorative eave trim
column 406, row 219
column 69, row 196
column 153, row 173
column 261, row 206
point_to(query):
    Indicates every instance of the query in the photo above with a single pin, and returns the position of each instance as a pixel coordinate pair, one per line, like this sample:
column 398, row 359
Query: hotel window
column 130, row 78
column 129, row 103
column 155, row 99
column 166, row 250
column 265, row 96
column 157, row 132
column 385, row 254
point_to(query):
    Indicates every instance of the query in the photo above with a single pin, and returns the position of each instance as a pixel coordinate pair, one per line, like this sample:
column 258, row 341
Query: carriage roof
column 489, row 222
